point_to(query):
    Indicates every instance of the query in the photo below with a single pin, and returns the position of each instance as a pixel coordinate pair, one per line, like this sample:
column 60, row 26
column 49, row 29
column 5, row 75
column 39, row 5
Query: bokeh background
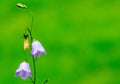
column 81, row 37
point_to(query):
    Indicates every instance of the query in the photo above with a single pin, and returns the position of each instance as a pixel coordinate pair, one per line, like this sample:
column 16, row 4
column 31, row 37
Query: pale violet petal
column 17, row 73
column 24, row 75
column 24, row 70
column 37, row 48
column 30, row 74
column 34, row 48
column 38, row 53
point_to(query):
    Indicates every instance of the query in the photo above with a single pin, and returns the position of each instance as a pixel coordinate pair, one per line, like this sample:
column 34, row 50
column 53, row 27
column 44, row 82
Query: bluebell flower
column 24, row 70
column 37, row 48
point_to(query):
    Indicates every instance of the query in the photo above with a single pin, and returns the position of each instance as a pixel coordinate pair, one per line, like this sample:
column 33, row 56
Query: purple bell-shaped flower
column 37, row 48
column 24, row 70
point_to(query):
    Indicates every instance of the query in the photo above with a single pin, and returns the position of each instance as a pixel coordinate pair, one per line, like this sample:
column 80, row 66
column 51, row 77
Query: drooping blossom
column 24, row 70
column 37, row 48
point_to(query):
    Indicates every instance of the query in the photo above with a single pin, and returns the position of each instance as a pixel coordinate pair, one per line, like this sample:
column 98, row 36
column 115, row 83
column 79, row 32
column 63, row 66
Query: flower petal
column 24, row 70
column 38, row 53
column 30, row 74
column 34, row 49
column 37, row 48
column 24, row 75
column 17, row 73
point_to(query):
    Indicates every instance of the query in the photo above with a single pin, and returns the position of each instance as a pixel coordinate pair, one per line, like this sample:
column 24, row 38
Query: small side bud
column 20, row 5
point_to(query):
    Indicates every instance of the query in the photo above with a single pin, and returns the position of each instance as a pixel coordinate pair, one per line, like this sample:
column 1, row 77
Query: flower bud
column 20, row 5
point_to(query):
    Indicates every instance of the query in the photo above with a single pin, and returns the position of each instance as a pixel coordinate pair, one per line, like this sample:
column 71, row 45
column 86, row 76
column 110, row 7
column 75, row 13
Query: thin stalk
column 34, row 71
column 31, row 37
column 32, row 19
column 34, row 65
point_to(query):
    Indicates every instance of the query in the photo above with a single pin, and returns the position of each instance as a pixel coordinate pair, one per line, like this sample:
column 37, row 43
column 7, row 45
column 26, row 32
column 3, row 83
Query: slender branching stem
column 34, row 71
column 32, row 19
column 34, row 65
column 31, row 37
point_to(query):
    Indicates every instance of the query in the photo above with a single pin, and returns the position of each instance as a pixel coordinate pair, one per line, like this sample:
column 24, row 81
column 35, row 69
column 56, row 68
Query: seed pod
column 26, row 42
column 20, row 5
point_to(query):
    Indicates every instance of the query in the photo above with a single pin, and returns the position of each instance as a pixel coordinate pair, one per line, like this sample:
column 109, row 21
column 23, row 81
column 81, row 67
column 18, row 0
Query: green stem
column 34, row 71
column 34, row 66
column 29, row 11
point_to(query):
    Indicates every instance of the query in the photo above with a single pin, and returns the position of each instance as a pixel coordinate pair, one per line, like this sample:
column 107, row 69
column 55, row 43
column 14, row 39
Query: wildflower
column 37, row 48
column 20, row 5
column 24, row 70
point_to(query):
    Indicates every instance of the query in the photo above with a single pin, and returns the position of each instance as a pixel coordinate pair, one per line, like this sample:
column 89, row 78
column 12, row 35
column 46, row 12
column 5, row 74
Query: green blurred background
column 81, row 37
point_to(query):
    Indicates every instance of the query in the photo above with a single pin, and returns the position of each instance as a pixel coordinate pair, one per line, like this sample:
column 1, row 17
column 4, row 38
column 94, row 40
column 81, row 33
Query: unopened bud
column 20, row 5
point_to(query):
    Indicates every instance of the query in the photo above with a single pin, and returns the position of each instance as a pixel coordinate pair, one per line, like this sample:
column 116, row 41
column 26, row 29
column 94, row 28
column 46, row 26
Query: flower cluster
column 36, row 48
column 24, row 69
